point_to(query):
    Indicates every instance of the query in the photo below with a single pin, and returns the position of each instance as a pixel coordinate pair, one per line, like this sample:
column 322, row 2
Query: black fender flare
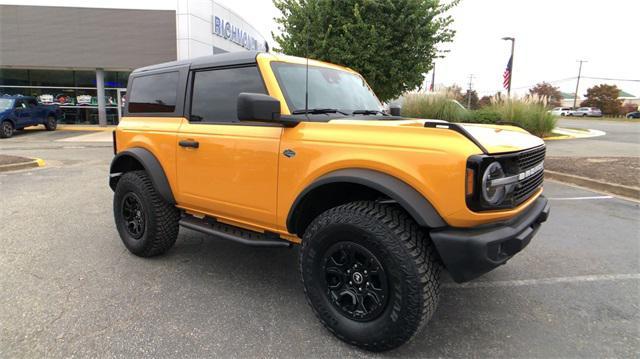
column 406, row 196
column 122, row 163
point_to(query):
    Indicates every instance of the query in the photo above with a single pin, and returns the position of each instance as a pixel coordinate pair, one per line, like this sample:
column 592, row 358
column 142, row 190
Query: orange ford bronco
column 271, row 150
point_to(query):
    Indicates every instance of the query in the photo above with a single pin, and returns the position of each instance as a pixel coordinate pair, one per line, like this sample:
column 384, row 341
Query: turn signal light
column 470, row 180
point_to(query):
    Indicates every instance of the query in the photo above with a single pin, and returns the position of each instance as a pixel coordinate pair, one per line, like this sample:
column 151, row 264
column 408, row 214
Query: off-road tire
column 160, row 218
column 6, row 129
column 51, row 123
column 407, row 256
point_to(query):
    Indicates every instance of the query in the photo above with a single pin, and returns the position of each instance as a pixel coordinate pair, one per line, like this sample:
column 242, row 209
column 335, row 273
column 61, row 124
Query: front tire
column 6, row 129
column 370, row 274
column 147, row 224
column 51, row 123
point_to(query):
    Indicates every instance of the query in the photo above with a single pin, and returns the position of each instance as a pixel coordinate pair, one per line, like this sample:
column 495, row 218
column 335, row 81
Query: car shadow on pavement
column 270, row 275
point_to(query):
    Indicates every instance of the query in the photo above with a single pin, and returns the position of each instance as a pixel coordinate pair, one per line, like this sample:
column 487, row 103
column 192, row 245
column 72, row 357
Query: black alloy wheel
column 370, row 274
column 147, row 224
column 356, row 283
column 133, row 215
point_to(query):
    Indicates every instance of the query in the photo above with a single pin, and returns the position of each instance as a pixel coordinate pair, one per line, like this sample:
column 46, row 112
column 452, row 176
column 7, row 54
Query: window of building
column 51, row 78
column 154, row 93
column 85, row 78
column 14, row 77
column 215, row 92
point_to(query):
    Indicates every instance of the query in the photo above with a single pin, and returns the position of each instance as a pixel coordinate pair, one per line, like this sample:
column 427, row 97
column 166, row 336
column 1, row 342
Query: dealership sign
column 232, row 32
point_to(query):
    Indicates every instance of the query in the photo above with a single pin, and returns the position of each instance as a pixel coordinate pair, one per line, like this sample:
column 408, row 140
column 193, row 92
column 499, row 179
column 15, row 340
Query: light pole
column 513, row 45
column 575, row 96
column 433, row 77
column 469, row 92
column 433, row 71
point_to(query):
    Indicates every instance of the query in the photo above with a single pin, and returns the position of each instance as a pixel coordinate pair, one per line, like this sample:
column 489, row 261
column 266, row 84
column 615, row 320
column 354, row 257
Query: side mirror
column 394, row 110
column 258, row 107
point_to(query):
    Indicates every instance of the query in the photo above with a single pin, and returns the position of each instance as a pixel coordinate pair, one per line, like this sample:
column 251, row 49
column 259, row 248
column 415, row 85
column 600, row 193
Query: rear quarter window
column 155, row 93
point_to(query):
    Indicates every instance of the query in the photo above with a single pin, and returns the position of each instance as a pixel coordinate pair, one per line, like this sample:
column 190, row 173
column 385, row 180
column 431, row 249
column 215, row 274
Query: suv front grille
column 530, row 158
column 527, row 160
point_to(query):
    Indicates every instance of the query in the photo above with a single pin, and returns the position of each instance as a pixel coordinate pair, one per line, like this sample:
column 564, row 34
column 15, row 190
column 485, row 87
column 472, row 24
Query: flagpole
column 513, row 46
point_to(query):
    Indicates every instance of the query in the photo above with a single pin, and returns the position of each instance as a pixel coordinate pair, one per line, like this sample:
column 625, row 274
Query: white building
column 79, row 54
column 206, row 27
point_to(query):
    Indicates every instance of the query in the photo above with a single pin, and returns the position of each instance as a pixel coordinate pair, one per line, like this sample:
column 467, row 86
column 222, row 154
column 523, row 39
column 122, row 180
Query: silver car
column 586, row 112
column 561, row 111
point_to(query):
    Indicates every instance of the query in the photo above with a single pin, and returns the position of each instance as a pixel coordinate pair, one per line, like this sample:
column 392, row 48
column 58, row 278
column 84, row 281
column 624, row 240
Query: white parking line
column 580, row 198
column 524, row 282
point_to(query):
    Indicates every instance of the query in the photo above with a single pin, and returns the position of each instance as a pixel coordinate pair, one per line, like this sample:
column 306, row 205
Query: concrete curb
column 621, row 190
column 95, row 128
column 84, row 128
column 36, row 162
column 560, row 133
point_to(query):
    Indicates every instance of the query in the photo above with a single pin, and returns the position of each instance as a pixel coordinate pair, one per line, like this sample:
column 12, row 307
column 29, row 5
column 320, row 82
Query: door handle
column 189, row 143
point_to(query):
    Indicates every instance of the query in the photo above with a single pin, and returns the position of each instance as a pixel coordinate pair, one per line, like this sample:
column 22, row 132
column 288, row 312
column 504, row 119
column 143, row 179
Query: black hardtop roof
column 228, row 59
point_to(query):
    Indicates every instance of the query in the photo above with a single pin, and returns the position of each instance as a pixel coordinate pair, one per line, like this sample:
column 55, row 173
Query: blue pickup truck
column 18, row 112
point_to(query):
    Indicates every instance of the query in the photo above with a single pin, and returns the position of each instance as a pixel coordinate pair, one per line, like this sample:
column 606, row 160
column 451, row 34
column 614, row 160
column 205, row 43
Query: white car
column 561, row 111
column 586, row 111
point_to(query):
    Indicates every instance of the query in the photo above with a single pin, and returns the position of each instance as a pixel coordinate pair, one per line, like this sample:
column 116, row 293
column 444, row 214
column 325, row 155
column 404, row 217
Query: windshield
column 328, row 88
column 6, row 103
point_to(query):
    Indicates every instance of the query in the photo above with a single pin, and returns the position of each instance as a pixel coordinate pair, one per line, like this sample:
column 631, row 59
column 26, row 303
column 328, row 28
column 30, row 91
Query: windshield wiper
column 315, row 111
column 368, row 112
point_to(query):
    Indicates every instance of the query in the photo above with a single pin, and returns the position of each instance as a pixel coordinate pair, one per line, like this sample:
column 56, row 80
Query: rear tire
column 51, row 123
column 6, row 129
column 147, row 224
column 385, row 307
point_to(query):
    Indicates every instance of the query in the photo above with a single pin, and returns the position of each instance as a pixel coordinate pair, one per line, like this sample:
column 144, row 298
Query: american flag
column 506, row 77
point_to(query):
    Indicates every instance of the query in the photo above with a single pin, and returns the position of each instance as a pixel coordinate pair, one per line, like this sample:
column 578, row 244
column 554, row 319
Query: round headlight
column 493, row 194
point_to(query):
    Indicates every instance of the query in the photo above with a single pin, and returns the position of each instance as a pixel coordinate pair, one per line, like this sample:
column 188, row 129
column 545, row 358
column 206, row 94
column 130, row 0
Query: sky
column 551, row 35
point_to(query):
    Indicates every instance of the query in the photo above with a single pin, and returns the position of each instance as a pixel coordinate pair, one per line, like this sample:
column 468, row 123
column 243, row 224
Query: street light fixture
column 513, row 43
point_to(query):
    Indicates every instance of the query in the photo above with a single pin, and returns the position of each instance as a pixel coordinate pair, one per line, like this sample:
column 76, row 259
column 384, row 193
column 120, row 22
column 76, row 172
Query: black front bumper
column 470, row 252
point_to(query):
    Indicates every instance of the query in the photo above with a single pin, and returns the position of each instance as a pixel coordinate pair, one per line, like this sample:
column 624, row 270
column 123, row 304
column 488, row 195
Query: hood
column 499, row 139
column 494, row 138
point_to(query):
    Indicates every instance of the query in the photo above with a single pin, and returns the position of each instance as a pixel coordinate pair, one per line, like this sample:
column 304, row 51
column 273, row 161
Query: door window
column 215, row 92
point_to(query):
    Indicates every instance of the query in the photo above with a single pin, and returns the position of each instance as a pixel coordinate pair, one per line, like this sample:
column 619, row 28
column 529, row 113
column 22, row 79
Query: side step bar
column 232, row 233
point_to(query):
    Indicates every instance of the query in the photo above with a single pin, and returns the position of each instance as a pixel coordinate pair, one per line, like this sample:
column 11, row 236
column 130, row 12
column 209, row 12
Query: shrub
column 485, row 115
column 529, row 114
column 438, row 106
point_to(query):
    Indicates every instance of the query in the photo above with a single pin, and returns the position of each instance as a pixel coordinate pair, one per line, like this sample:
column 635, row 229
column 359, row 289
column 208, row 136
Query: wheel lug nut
column 350, row 283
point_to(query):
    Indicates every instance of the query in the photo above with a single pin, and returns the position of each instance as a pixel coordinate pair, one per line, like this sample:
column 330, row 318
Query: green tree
column 484, row 101
column 604, row 97
column 392, row 43
column 548, row 92
column 475, row 102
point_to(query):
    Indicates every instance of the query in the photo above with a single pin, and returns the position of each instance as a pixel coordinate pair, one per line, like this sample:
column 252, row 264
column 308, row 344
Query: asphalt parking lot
column 69, row 287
